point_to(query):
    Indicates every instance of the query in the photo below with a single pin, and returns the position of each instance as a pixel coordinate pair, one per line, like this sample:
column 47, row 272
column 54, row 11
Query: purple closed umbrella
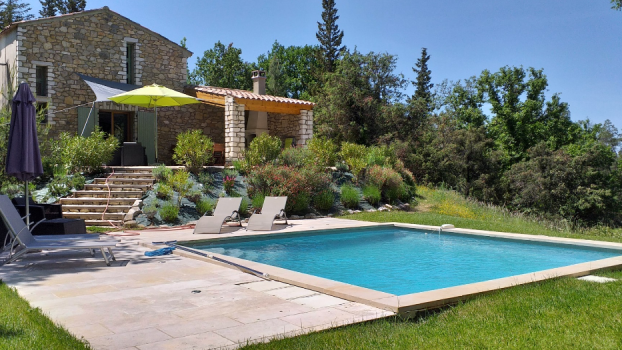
column 23, row 159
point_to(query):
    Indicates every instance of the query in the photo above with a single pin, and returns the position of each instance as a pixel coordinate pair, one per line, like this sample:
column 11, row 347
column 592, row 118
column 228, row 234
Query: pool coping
column 405, row 304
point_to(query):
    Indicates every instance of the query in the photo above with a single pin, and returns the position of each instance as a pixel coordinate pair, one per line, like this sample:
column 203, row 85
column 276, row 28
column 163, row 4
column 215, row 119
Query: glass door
column 117, row 124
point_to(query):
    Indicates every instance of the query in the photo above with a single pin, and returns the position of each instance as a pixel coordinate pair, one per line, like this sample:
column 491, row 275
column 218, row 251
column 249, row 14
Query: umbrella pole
column 156, row 133
column 27, row 204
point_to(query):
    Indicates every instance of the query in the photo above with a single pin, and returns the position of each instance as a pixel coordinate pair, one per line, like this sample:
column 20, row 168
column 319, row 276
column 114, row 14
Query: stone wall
column 235, row 130
column 93, row 43
column 289, row 125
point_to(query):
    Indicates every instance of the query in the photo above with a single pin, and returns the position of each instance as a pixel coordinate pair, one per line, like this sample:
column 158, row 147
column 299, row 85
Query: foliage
column 169, row 212
column 295, row 183
column 193, row 150
column 180, row 182
column 389, row 181
column 262, row 150
column 88, row 154
column 299, row 203
column 162, row 172
column 354, row 156
column 207, row 180
column 49, row 8
column 616, row 4
column 372, row 194
column 71, row 6
column 205, row 205
column 230, row 172
column 150, row 210
column 194, row 196
column 223, row 66
column 350, row 196
column 423, row 85
column 12, row 11
column 244, row 204
column 163, row 191
column 258, row 199
column 381, row 155
column 324, row 151
column 341, row 167
column 296, row 157
column 11, row 190
column 228, row 183
column 329, row 35
column 324, row 200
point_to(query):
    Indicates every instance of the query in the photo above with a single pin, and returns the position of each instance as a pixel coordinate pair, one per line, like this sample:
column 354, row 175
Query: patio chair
column 226, row 209
column 21, row 237
column 273, row 209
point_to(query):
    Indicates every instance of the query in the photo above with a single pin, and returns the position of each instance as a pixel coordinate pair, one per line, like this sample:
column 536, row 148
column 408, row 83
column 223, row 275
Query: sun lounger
column 226, row 209
column 26, row 242
column 273, row 209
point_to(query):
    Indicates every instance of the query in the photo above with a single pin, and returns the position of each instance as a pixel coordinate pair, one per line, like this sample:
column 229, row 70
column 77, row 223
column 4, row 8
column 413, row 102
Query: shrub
column 354, row 156
column 193, row 150
column 207, row 180
column 387, row 180
column 372, row 194
column 240, row 167
column 60, row 186
column 230, row 172
column 299, row 203
column 150, row 210
column 271, row 180
column 296, row 157
column 163, row 191
column 169, row 212
column 380, row 155
column 77, row 182
column 229, row 183
column 162, row 172
column 194, row 196
column 180, row 182
column 85, row 153
column 205, row 205
column 262, row 150
column 257, row 201
column 11, row 190
column 341, row 167
column 324, row 200
column 406, row 174
column 244, row 206
column 350, row 197
column 324, row 151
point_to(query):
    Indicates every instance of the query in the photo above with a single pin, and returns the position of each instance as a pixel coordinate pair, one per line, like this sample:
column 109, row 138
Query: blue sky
column 578, row 43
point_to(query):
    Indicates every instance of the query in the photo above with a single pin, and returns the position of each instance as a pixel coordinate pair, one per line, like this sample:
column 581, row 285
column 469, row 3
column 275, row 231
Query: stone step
column 123, row 181
column 97, row 201
column 94, row 216
column 104, row 187
column 133, row 169
column 81, row 208
column 106, row 194
column 118, row 223
column 131, row 175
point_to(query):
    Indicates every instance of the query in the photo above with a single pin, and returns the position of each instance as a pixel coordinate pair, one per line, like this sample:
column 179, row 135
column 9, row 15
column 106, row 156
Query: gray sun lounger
column 273, row 209
column 226, row 209
column 26, row 242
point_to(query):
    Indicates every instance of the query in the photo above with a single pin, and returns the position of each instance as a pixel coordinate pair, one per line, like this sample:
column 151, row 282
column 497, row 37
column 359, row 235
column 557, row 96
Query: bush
column 350, row 197
column 341, row 167
column 150, row 211
column 194, row 196
column 228, row 183
column 324, row 200
column 193, row 150
column 230, row 172
column 88, row 154
column 406, row 174
column 207, row 180
column 169, row 212
column 60, row 186
column 324, row 151
column 389, row 181
column 180, row 182
column 299, row 203
column 271, row 180
column 380, row 155
column 354, row 156
column 262, row 150
column 163, row 191
column 162, row 172
column 244, row 206
column 296, row 157
column 257, row 201
column 372, row 194
column 205, row 205
column 77, row 182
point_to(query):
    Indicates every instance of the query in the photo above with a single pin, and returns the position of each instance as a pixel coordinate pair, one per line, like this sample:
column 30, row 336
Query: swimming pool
column 401, row 260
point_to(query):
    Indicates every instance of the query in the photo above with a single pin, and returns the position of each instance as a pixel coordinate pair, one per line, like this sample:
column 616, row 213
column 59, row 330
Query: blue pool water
column 403, row 261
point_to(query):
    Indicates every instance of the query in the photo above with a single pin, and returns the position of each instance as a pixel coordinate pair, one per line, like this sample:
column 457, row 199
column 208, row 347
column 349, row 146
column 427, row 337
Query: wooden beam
column 210, row 98
column 272, row 106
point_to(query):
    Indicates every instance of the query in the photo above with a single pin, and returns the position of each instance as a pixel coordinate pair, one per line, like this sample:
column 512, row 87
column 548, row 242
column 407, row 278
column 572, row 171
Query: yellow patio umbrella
column 154, row 96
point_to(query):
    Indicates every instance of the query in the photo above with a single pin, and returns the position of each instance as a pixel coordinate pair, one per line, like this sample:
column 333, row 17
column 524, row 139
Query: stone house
column 49, row 53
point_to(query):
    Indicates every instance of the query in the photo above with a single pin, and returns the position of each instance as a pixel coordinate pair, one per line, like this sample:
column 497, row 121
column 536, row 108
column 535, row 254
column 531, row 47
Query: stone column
column 234, row 130
column 305, row 130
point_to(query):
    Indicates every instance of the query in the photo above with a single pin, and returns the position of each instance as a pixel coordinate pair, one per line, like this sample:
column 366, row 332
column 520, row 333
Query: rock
column 383, row 209
column 357, row 211
column 310, row 216
column 350, row 211
column 329, row 215
column 294, row 217
column 371, row 210
column 389, row 206
column 130, row 224
column 141, row 226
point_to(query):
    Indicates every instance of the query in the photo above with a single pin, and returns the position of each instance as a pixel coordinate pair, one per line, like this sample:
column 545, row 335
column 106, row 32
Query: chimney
column 259, row 82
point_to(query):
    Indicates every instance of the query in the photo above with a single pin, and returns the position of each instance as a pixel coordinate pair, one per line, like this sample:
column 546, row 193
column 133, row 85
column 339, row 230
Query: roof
column 86, row 13
column 244, row 94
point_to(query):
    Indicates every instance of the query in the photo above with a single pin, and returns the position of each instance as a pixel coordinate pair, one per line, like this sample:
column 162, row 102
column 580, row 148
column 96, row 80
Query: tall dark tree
column 14, row 11
column 423, row 85
column 49, row 8
column 329, row 35
column 71, row 6
column 616, row 4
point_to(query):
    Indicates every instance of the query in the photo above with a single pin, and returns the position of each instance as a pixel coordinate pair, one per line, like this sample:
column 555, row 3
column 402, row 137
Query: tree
column 12, row 11
column 329, row 35
column 49, row 8
column 71, row 6
column 223, row 66
column 275, row 84
column 617, row 4
column 423, row 85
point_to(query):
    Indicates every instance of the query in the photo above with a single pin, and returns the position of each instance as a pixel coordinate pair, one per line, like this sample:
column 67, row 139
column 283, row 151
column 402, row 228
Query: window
column 42, row 80
column 130, row 63
column 42, row 108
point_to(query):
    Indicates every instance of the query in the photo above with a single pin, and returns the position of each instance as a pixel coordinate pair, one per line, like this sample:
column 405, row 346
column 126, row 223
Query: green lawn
column 24, row 327
column 564, row 313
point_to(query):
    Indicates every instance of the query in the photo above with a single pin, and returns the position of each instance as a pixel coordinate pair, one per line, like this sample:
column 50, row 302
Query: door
column 117, row 124
column 88, row 118
column 146, row 134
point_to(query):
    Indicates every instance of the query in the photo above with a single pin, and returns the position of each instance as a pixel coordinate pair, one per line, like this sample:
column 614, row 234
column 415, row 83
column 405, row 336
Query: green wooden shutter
column 92, row 120
column 146, row 134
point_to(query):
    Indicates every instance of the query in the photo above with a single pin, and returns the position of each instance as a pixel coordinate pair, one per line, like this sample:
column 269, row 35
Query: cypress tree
column 423, row 85
column 329, row 35
column 13, row 11
column 48, row 8
column 71, row 6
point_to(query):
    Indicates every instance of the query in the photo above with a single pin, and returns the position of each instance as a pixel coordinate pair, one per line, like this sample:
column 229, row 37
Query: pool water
column 402, row 261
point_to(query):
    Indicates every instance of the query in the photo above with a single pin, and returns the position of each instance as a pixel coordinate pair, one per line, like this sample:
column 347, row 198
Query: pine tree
column 329, row 35
column 49, row 8
column 71, row 6
column 12, row 11
column 423, row 87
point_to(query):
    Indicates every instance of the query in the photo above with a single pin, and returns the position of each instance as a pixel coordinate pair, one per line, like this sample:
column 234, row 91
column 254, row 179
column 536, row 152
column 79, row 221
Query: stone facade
column 235, row 130
column 290, row 125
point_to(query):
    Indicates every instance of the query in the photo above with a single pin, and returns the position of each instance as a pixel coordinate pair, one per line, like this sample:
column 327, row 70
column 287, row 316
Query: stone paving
column 173, row 302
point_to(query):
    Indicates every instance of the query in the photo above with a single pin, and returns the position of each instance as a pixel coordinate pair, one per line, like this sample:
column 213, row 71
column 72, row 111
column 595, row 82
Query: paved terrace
column 174, row 302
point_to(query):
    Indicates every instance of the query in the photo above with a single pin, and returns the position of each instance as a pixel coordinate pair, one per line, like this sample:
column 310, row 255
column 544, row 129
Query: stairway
column 127, row 186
